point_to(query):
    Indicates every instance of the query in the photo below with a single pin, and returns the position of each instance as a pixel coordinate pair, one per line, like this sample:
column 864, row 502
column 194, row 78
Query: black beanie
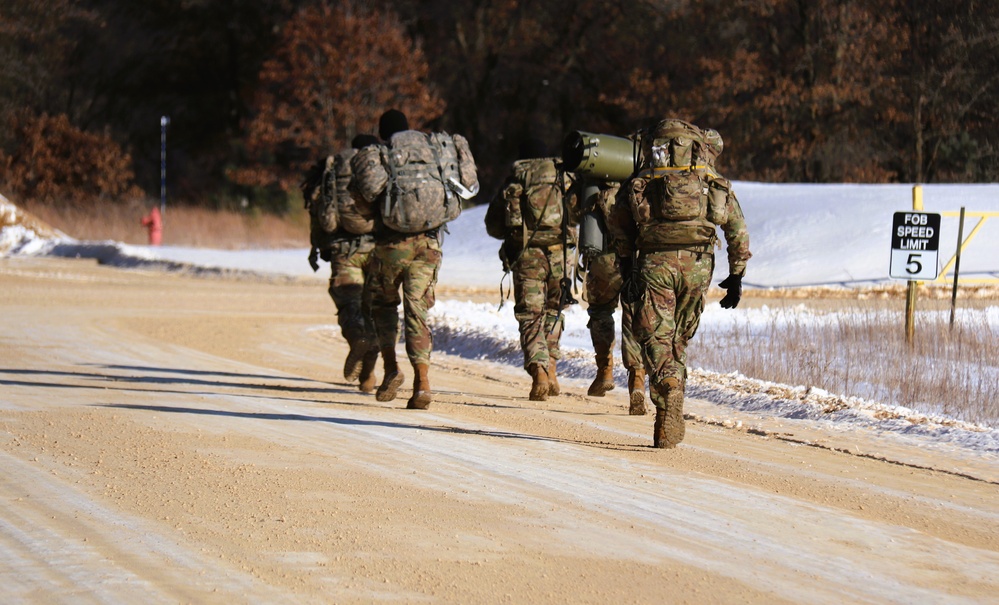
column 363, row 140
column 532, row 148
column 391, row 122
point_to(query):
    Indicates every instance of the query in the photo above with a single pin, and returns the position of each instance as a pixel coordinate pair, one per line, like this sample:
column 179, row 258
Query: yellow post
column 911, row 291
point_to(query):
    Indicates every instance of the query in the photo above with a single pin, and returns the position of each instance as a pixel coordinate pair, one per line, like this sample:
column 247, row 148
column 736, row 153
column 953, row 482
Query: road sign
column 915, row 244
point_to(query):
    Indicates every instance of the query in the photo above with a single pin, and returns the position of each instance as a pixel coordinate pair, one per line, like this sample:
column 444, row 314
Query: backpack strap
column 393, row 175
column 566, row 284
column 435, row 140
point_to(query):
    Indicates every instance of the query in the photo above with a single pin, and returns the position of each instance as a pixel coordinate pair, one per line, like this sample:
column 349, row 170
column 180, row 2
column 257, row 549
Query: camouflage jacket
column 625, row 239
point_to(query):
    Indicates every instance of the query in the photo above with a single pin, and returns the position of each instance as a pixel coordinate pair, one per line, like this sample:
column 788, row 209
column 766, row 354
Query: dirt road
column 170, row 439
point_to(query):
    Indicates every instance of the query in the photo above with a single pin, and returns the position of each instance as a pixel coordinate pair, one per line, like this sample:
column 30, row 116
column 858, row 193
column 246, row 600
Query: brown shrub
column 55, row 162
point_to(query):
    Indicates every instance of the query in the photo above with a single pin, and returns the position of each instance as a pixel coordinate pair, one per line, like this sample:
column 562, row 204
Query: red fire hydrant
column 153, row 222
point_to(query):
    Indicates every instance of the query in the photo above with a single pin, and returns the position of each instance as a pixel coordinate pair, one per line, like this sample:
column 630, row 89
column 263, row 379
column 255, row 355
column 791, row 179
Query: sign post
column 915, row 247
column 164, row 122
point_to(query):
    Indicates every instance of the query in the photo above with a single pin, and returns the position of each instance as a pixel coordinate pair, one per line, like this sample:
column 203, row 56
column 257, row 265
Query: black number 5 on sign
column 915, row 243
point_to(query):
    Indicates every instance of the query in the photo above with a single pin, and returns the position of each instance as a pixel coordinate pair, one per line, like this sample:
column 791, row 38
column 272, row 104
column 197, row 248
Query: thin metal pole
column 910, row 313
column 957, row 268
column 163, row 126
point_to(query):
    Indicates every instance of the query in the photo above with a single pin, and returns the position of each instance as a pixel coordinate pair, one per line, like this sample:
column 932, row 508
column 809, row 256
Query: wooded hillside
column 802, row 91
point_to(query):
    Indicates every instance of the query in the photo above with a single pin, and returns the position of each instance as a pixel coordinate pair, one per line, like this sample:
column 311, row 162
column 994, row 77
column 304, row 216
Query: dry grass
column 860, row 350
column 182, row 226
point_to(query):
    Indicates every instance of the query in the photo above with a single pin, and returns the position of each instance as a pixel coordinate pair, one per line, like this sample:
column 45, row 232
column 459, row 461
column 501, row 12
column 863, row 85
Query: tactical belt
column 350, row 245
column 390, row 236
column 659, row 171
column 691, row 248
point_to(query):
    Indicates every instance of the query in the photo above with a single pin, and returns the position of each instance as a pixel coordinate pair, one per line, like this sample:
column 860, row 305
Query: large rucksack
column 318, row 191
column 533, row 202
column 676, row 199
column 423, row 177
column 320, row 198
column 354, row 218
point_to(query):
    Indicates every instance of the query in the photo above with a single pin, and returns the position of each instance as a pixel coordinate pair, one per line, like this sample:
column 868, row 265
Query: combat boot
column 353, row 365
column 669, row 429
column 659, row 440
column 604, row 381
column 421, row 389
column 539, row 386
column 553, row 388
column 393, row 377
column 636, row 392
column 351, row 325
column 367, row 377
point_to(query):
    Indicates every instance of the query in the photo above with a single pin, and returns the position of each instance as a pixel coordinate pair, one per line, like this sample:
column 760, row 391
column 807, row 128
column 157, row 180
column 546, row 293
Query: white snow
column 834, row 236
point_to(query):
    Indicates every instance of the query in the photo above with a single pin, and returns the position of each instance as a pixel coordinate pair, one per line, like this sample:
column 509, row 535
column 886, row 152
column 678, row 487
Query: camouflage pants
column 603, row 292
column 412, row 264
column 668, row 312
column 353, row 310
column 538, row 293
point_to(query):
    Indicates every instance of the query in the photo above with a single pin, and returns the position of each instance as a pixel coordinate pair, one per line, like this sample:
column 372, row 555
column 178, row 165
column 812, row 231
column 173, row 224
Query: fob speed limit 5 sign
column 915, row 243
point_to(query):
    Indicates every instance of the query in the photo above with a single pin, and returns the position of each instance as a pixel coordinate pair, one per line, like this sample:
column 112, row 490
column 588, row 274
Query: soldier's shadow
column 270, row 416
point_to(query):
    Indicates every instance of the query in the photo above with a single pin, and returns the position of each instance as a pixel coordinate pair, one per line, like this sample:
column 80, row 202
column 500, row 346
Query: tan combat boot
column 421, row 389
column 636, row 392
column 355, row 359
column 367, row 378
column 393, row 376
column 604, row 381
column 669, row 429
column 539, row 386
column 553, row 388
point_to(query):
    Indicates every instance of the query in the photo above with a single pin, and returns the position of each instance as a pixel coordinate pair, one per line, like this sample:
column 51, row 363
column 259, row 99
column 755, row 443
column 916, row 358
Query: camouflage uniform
column 405, row 181
column 536, row 258
column 350, row 263
column 537, row 287
column 349, row 257
column 410, row 262
column 602, row 292
column 672, row 280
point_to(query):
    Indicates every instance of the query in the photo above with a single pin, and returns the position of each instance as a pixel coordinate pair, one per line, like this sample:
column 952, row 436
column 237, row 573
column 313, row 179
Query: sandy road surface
column 168, row 439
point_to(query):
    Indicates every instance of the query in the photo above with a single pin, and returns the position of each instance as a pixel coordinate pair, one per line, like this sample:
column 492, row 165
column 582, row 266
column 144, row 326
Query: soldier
column 602, row 292
column 343, row 238
column 534, row 221
column 415, row 181
column 676, row 202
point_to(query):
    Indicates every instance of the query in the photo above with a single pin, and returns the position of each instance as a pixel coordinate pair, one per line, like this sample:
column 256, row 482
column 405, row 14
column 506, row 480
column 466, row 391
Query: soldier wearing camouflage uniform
column 534, row 250
column 349, row 255
column 409, row 261
column 676, row 202
column 602, row 291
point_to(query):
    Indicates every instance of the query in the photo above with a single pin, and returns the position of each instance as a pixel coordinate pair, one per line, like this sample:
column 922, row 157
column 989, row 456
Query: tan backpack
column 354, row 218
column 533, row 201
column 424, row 179
column 677, row 183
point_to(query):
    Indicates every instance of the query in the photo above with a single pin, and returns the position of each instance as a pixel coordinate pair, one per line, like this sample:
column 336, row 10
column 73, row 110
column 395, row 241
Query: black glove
column 732, row 283
column 314, row 259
